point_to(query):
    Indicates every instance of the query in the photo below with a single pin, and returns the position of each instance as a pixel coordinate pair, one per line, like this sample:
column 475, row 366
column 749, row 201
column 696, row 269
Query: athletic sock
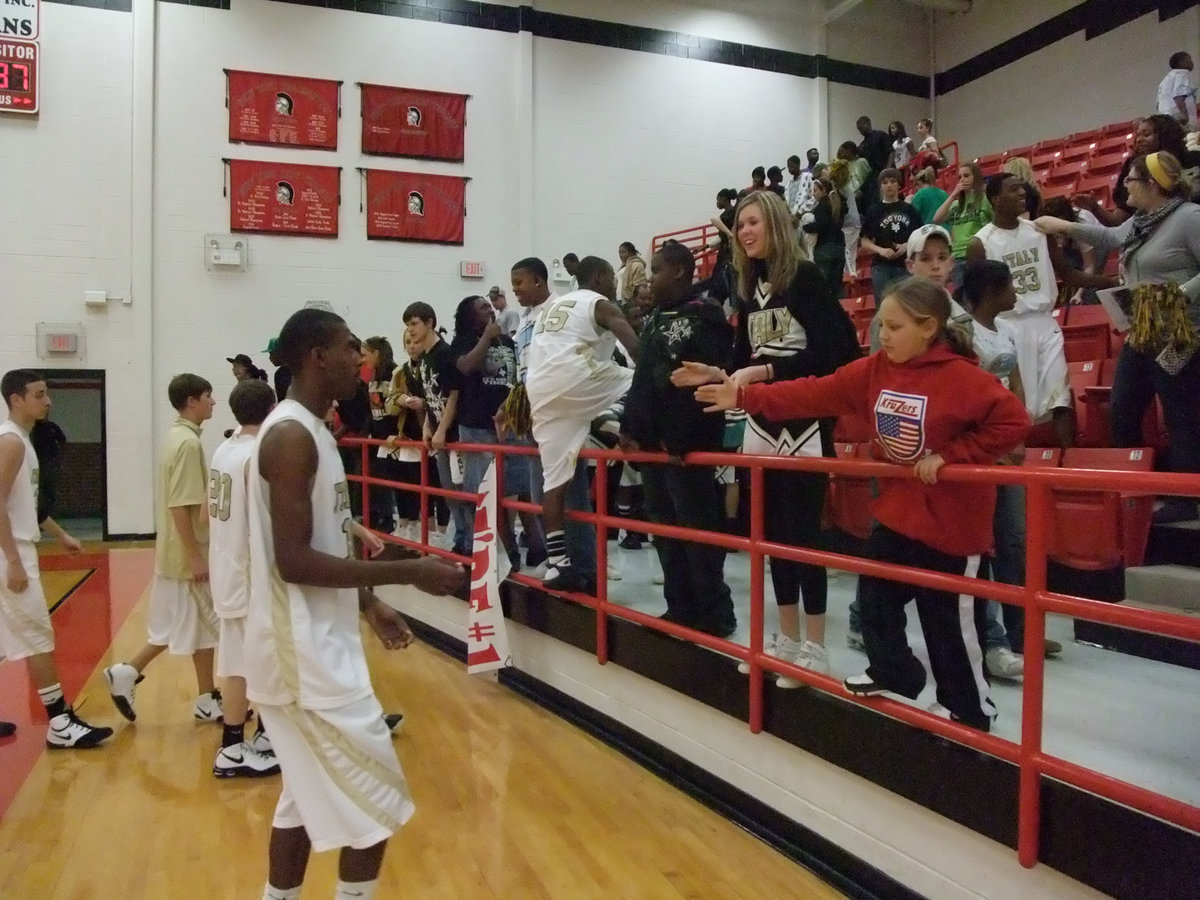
column 556, row 549
column 274, row 893
column 232, row 735
column 52, row 699
column 355, row 890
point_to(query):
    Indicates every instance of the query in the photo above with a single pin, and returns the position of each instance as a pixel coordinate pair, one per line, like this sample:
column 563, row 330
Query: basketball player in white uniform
column 304, row 661
column 229, row 578
column 1019, row 245
column 572, row 378
column 25, row 630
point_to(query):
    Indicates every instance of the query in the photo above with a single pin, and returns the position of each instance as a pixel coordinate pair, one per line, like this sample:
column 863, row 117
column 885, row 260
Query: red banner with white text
column 409, row 122
column 284, row 198
column 487, row 634
column 282, row 109
column 410, row 206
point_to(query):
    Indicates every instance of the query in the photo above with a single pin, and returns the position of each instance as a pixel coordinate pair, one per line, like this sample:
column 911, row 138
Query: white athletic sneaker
column 208, row 707
column 68, row 730
column 1003, row 663
column 940, row 711
column 798, row 653
column 768, row 648
column 614, row 574
column 261, row 743
column 122, row 679
column 243, row 761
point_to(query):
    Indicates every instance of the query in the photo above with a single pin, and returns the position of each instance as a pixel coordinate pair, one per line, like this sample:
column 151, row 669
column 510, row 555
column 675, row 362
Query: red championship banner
column 409, row 206
column 282, row 109
column 407, row 122
column 487, row 635
column 284, row 198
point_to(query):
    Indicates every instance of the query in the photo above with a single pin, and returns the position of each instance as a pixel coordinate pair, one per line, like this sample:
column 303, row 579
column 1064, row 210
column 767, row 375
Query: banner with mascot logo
column 409, row 122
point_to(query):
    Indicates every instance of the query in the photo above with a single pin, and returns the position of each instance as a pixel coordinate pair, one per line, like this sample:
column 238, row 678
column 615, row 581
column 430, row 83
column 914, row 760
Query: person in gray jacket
column 1160, row 262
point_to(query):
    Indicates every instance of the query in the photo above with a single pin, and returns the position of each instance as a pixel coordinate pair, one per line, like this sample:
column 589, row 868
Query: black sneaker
column 630, row 542
column 67, row 730
column 864, row 686
column 563, row 578
column 721, row 629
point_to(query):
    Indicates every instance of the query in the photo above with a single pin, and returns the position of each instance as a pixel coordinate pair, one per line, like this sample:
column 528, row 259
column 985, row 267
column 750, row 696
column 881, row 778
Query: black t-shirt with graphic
column 481, row 393
column 889, row 225
column 439, row 377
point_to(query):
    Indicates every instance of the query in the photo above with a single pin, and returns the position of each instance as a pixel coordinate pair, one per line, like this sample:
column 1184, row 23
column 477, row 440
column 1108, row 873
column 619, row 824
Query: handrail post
column 602, row 562
column 1029, row 814
column 757, row 590
column 424, row 503
column 364, row 457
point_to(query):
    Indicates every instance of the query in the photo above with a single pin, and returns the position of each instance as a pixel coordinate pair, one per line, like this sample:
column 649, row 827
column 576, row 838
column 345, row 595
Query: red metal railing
column 1033, row 761
column 697, row 239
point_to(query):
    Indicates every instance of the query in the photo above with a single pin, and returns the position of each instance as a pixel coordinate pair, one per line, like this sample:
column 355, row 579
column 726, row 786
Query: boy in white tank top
column 305, row 667
column 25, row 630
column 571, row 379
column 251, row 401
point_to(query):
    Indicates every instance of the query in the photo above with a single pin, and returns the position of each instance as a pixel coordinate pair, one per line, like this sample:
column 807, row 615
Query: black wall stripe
column 1093, row 17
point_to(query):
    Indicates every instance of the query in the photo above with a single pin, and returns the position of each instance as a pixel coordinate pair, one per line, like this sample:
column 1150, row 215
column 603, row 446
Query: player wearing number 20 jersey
column 229, row 536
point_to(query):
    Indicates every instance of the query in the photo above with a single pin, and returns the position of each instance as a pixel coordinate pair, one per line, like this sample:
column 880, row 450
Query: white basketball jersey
column 229, row 527
column 302, row 642
column 567, row 345
column 22, row 499
column 1025, row 251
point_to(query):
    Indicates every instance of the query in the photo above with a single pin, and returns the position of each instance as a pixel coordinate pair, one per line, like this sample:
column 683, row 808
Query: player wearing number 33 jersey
column 1037, row 336
column 303, row 645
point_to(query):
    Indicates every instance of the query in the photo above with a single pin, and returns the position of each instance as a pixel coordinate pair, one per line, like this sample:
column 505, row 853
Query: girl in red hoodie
column 931, row 404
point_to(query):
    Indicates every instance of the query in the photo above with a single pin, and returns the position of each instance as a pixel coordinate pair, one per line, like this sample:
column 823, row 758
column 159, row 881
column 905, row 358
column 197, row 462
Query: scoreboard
column 18, row 76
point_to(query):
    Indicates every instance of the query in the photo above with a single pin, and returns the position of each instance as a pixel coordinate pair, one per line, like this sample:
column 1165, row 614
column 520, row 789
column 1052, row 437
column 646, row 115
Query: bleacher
column 1087, row 162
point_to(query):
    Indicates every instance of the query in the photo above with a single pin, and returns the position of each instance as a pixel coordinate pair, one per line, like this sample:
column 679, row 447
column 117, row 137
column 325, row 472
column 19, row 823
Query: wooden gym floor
column 511, row 801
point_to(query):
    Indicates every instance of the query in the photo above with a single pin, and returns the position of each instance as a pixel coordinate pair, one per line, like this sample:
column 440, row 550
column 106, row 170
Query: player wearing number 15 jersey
column 1039, row 341
column 571, row 379
column 251, row 401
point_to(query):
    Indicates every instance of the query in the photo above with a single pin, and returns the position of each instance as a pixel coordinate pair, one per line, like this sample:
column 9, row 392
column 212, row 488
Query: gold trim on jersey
column 285, row 639
column 339, row 757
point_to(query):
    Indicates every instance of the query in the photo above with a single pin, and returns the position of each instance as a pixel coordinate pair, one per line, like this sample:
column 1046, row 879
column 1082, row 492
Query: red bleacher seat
column 1109, row 164
column 1076, row 153
column 1116, row 143
column 1043, row 160
column 1096, row 530
column 1043, row 457
column 1100, row 186
column 1067, row 171
column 1083, row 375
column 1026, row 152
column 1120, row 127
column 1061, row 189
column 849, row 497
column 1086, row 341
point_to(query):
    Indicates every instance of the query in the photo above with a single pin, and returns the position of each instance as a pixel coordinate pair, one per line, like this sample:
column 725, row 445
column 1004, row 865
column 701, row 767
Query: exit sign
column 18, row 74
column 61, row 342
column 471, row 269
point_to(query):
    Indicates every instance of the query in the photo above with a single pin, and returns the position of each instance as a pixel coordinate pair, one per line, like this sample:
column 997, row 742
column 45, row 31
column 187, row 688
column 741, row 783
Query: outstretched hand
column 719, row 397
column 694, row 374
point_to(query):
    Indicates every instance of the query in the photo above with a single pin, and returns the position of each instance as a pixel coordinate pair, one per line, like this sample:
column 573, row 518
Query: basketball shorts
column 563, row 422
column 342, row 781
column 24, row 618
column 1041, row 362
column 181, row 616
column 231, row 650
